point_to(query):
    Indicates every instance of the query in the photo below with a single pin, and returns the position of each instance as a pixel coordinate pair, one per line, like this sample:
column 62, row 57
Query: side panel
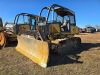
column 54, row 28
column 74, row 30
column 18, row 28
column 22, row 27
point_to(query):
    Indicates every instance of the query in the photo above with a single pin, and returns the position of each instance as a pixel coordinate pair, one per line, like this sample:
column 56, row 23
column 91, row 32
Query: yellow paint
column 2, row 39
column 74, row 30
column 54, row 28
column 23, row 27
column 36, row 50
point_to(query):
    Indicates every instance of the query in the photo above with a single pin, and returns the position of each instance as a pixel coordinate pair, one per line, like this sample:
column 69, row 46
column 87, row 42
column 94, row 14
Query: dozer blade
column 36, row 50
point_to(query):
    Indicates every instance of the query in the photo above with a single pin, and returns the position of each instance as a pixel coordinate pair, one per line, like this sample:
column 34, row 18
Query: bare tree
column 97, row 26
column 88, row 25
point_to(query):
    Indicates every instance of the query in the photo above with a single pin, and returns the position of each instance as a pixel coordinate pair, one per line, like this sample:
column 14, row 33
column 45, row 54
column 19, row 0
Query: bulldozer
column 10, row 30
column 2, row 34
column 53, row 34
column 1, row 28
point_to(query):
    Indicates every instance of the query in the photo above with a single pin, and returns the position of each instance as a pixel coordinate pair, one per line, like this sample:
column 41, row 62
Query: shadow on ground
column 70, row 57
column 9, row 44
column 12, row 44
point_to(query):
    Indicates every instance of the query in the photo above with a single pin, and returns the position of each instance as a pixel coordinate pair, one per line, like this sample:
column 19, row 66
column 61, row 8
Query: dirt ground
column 84, row 61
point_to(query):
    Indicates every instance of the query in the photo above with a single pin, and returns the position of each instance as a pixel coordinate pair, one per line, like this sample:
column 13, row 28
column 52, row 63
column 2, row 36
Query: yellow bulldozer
column 10, row 30
column 52, row 34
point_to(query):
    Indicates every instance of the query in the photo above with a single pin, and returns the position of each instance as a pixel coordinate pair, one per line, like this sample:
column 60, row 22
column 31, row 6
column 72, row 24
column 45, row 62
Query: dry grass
column 85, row 61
